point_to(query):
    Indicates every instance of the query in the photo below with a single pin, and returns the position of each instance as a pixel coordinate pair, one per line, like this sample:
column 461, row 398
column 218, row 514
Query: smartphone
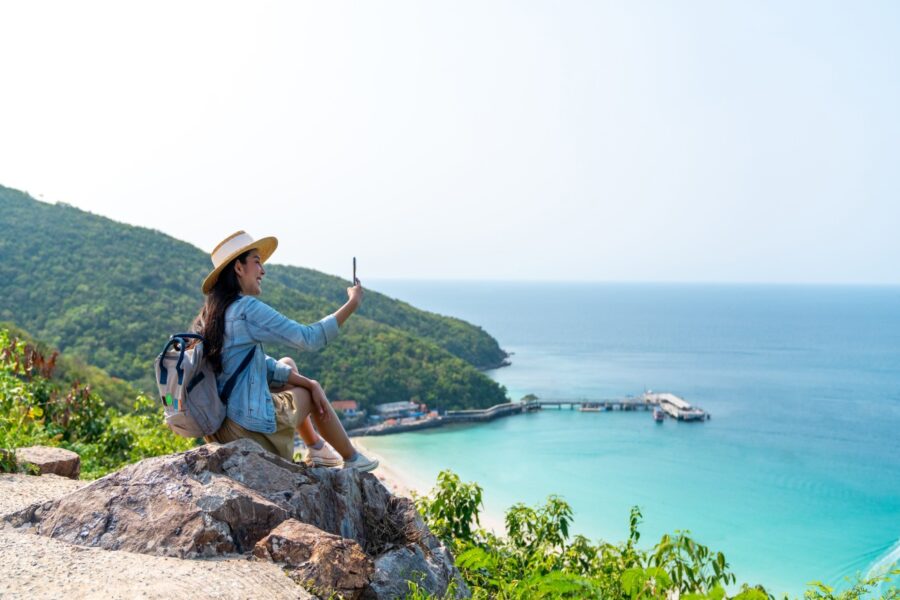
column 353, row 282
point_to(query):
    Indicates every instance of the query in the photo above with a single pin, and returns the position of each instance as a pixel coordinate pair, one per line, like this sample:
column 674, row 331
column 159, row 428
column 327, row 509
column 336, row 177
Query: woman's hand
column 355, row 294
column 320, row 400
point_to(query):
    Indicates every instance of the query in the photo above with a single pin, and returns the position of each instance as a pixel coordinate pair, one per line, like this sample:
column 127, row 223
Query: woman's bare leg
column 328, row 424
column 305, row 428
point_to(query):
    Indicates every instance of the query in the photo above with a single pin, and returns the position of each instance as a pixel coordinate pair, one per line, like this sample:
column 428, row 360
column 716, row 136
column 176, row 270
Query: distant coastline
column 449, row 418
column 664, row 405
column 504, row 362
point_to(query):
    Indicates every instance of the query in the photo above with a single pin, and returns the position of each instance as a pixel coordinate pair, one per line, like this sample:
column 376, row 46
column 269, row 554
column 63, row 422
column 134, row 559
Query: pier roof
column 672, row 399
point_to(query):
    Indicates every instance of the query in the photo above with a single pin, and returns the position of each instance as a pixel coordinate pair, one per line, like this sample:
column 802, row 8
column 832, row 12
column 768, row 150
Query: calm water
column 795, row 478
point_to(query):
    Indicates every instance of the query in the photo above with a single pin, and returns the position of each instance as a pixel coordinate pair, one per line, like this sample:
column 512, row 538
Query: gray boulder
column 57, row 461
column 237, row 498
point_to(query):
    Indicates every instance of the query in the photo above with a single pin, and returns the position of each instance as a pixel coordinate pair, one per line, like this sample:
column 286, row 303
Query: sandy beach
column 396, row 480
column 401, row 483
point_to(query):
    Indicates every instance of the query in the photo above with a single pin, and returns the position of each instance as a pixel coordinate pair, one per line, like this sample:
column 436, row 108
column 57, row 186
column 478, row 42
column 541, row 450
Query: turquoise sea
column 797, row 475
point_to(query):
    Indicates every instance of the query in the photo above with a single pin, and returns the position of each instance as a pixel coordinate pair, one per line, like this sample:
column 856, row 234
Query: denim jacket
column 249, row 323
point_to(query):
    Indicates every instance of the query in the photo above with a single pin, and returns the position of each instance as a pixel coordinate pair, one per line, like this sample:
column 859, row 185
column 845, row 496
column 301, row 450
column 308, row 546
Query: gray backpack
column 187, row 387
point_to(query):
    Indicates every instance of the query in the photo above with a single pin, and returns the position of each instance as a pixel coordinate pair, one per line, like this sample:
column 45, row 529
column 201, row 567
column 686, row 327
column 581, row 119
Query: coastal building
column 398, row 410
column 350, row 413
column 349, row 407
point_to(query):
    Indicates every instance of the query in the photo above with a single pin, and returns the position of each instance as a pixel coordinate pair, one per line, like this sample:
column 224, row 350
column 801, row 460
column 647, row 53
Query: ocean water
column 797, row 475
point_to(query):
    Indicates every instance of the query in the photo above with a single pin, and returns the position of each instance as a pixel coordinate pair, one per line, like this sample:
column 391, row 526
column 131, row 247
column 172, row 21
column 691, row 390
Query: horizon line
column 638, row 282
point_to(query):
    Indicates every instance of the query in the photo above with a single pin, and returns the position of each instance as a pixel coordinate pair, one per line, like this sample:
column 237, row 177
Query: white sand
column 402, row 484
column 34, row 567
column 398, row 482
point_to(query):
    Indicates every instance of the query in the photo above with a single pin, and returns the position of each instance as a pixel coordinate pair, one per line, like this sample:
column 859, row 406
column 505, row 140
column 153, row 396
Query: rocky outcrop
column 318, row 560
column 339, row 529
column 57, row 461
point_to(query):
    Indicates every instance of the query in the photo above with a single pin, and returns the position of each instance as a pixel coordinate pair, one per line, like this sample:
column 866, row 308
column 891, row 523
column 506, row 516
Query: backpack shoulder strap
column 178, row 341
column 229, row 385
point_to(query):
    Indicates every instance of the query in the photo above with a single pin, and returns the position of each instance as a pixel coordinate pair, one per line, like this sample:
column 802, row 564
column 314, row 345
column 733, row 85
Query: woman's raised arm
column 355, row 296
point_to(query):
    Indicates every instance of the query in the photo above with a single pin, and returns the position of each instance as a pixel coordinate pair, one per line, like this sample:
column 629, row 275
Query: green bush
column 452, row 508
column 37, row 407
column 537, row 558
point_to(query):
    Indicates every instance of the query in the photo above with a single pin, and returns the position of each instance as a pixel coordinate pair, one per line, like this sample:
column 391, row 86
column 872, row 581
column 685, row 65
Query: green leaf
column 751, row 594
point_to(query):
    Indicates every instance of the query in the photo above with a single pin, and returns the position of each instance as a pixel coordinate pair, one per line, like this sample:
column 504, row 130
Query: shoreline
column 393, row 479
column 401, row 483
column 451, row 417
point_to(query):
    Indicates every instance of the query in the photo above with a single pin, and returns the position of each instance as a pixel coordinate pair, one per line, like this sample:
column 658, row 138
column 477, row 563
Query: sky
column 705, row 141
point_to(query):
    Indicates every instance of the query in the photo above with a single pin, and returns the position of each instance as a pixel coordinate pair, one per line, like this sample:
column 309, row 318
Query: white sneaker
column 361, row 463
column 323, row 457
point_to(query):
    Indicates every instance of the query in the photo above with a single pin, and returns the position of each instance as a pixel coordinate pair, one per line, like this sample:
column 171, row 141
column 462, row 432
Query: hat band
column 229, row 247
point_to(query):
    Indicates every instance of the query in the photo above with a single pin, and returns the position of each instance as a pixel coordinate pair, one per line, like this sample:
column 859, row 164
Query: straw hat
column 232, row 247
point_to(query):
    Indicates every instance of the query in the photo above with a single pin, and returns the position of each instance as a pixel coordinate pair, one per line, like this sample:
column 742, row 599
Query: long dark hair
column 210, row 323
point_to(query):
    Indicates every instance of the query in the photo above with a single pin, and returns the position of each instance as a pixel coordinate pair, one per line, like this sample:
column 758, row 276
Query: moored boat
column 676, row 407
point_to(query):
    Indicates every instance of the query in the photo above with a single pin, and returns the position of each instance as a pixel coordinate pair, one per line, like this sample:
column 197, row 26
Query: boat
column 676, row 407
column 590, row 407
column 658, row 415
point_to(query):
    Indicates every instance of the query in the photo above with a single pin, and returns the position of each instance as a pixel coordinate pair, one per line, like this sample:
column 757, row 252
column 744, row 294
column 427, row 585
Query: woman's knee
column 302, row 397
column 302, row 403
column 287, row 360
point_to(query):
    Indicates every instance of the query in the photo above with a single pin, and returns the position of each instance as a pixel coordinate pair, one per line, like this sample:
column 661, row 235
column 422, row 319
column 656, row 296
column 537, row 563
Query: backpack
column 187, row 387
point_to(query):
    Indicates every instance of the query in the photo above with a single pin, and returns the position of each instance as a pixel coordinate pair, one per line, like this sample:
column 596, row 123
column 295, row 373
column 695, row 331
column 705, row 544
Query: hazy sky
column 648, row 141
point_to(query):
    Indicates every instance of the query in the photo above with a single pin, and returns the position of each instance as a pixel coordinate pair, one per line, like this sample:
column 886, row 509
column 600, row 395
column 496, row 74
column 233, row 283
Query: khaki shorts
column 281, row 442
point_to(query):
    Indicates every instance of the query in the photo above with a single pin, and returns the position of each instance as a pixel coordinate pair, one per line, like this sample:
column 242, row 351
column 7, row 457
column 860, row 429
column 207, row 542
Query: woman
column 234, row 325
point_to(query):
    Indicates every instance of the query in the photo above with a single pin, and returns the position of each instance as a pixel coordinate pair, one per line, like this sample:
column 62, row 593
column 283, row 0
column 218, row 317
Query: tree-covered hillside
column 111, row 294
column 455, row 335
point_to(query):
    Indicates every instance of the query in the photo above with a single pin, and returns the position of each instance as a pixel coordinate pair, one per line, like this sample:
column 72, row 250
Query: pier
column 673, row 406
column 488, row 414
column 676, row 407
column 669, row 404
column 585, row 405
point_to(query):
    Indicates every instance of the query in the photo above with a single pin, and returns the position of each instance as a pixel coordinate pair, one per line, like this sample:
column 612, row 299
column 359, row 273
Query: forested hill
column 460, row 338
column 112, row 293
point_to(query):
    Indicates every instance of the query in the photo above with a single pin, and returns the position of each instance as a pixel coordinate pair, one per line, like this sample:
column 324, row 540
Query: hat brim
column 265, row 246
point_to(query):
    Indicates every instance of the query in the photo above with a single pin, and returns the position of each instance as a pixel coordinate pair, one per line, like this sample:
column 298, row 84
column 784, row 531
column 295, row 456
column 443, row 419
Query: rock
column 339, row 528
column 57, row 461
column 395, row 567
column 325, row 563
column 431, row 568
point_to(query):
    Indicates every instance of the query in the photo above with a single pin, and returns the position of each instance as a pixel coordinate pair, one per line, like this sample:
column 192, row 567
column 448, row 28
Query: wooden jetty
column 673, row 406
column 586, row 405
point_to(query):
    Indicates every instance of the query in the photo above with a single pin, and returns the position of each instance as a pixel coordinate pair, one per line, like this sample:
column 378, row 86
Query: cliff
column 332, row 531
